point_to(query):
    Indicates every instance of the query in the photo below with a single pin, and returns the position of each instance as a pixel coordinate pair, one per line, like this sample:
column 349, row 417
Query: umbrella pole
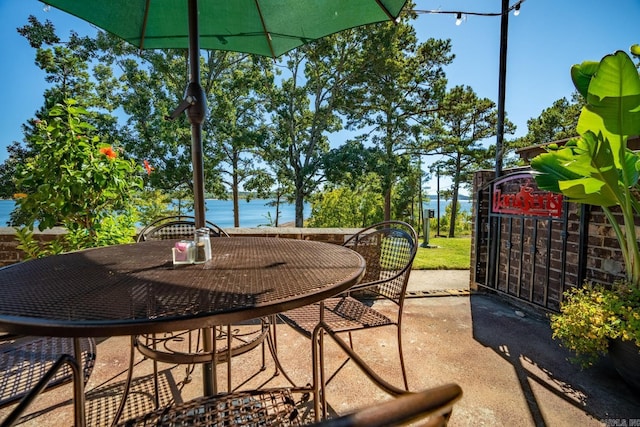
column 198, row 174
column 196, row 113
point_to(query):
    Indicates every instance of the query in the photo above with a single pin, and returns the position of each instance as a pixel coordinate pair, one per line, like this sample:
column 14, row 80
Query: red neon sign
column 518, row 194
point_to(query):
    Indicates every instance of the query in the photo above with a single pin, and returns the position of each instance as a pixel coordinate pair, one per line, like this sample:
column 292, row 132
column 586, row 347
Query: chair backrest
column 432, row 407
column 389, row 249
column 176, row 227
column 26, row 362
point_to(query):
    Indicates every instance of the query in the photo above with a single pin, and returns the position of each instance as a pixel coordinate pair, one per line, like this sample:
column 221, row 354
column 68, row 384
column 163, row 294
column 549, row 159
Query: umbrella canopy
column 263, row 27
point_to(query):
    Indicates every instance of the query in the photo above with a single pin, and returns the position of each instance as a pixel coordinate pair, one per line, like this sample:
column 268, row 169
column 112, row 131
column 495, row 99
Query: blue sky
column 544, row 41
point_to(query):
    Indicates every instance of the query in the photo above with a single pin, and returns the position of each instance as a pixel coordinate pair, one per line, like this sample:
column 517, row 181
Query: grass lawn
column 450, row 254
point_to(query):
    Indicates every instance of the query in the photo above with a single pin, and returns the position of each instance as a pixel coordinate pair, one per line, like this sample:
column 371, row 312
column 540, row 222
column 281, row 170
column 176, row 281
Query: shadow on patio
column 510, row 370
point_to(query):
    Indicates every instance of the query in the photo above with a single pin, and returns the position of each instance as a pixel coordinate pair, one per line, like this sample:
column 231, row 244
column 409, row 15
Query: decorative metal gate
column 522, row 234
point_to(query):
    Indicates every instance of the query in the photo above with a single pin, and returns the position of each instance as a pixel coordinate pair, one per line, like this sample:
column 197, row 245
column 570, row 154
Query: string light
column 461, row 15
column 504, row 19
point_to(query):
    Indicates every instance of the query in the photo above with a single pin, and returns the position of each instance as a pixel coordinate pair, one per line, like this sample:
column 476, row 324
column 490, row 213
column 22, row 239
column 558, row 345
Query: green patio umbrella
column 263, row 27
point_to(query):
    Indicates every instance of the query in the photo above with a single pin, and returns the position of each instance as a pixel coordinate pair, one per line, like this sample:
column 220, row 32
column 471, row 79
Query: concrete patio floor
column 511, row 371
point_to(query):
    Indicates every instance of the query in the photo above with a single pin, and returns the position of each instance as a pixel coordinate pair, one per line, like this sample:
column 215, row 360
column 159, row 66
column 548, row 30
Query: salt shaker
column 203, row 245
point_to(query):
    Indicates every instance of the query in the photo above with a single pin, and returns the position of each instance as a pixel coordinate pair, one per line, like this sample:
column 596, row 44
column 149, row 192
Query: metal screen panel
column 522, row 239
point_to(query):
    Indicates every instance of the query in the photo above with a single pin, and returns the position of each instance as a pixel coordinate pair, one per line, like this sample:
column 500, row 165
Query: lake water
column 252, row 214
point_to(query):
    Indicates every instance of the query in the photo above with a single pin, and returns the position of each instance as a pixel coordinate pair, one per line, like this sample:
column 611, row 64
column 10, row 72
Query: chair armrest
column 375, row 378
column 408, row 406
column 435, row 403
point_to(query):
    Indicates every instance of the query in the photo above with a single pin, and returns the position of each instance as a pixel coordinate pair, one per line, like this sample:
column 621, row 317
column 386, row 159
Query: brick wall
column 604, row 258
column 10, row 254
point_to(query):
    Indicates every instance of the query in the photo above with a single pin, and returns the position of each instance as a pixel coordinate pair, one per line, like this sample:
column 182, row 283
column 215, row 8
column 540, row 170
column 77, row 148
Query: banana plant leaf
column 584, row 172
column 597, row 168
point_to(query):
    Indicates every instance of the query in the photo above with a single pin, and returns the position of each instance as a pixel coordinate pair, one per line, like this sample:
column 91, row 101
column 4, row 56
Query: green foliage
column 66, row 70
column 75, row 180
column 27, row 243
column 554, row 123
column 153, row 204
column 345, row 207
column 599, row 169
column 463, row 221
column 463, row 123
column 593, row 315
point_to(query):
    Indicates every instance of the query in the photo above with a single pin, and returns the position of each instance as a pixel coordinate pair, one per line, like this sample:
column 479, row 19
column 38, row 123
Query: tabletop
column 135, row 288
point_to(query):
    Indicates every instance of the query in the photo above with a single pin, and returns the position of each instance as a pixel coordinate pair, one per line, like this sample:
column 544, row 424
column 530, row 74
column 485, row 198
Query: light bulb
column 46, row 8
column 516, row 11
column 459, row 19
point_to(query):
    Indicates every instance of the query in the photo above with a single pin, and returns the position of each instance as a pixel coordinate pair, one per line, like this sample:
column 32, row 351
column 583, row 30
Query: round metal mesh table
column 135, row 289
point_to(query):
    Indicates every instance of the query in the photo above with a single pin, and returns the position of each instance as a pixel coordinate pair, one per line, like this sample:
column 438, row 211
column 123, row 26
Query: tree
column 344, row 206
column 406, row 195
column 147, row 86
column 151, row 86
column 304, row 109
column 463, row 122
column 237, row 125
column 399, row 85
column 555, row 123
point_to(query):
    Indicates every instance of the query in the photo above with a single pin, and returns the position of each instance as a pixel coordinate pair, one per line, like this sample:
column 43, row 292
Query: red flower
column 108, row 151
column 147, row 167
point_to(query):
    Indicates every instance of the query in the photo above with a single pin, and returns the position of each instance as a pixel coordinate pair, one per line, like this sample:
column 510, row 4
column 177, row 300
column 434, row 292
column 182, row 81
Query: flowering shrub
column 77, row 181
column 108, row 151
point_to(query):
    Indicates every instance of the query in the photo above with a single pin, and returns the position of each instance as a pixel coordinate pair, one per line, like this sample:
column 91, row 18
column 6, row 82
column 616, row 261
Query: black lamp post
column 502, row 76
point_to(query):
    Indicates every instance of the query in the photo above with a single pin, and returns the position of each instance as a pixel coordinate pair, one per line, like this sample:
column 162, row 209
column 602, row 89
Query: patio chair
column 291, row 406
column 24, row 360
column 389, row 249
column 184, row 347
column 176, row 227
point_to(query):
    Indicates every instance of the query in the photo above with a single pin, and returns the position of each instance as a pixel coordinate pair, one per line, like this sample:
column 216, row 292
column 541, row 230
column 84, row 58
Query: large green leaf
column 613, row 103
column 581, row 75
column 583, row 172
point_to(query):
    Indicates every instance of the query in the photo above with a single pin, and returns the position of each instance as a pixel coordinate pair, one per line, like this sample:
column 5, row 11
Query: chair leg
column 323, row 390
column 264, row 349
column 127, row 384
column 156, row 387
column 272, row 343
column 274, row 339
column 317, row 365
column 404, row 371
column 229, row 345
